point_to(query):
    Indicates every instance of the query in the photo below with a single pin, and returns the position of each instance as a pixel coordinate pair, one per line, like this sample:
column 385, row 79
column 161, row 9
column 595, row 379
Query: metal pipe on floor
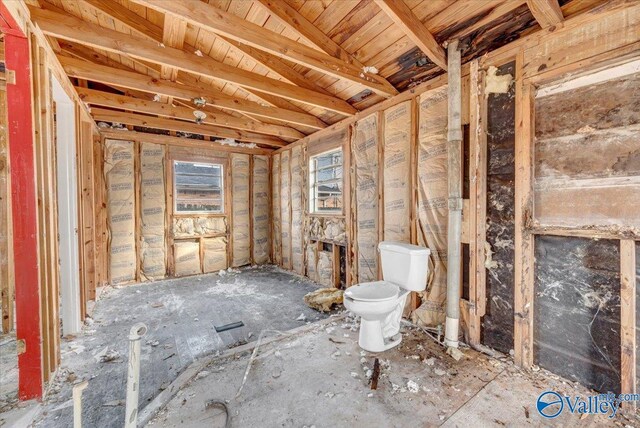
column 77, row 403
column 454, row 229
column 133, row 376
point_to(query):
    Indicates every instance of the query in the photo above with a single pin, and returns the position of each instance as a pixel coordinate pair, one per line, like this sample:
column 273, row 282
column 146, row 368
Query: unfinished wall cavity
column 260, row 213
column 285, row 208
column 214, row 254
column 577, row 309
column 191, row 227
column 276, row 207
column 365, row 154
column 327, row 229
column 397, row 173
column 240, row 210
column 498, row 321
column 153, row 208
column 432, row 201
column 187, row 258
column 587, row 154
column 119, row 176
column 297, row 209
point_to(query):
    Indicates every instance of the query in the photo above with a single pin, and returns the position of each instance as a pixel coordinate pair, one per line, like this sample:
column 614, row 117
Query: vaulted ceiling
column 268, row 72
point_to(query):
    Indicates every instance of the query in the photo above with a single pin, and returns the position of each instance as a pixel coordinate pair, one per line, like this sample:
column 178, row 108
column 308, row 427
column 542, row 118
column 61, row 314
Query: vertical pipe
column 77, row 403
column 133, row 376
column 454, row 155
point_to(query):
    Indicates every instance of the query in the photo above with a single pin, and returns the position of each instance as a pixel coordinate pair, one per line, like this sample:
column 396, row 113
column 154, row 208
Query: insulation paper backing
column 153, row 208
column 312, row 256
column 187, row 258
column 297, row 184
column 119, row 176
column 260, row 189
column 240, row 209
column 215, row 254
column 285, row 210
column 325, row 268
column 275, row 185
column 397, row 170
column 365, row 154
column 432, row 202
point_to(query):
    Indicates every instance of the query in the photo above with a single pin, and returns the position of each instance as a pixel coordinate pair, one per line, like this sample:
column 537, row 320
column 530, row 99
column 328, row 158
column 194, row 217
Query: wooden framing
column 628, row 319
column 228, row 25
column 177, row 125
column 6, row 260
column 402, row 16
column 214, row 117
column 113, row 76
column 524, row 239
column 76, row 30
column 546, row 12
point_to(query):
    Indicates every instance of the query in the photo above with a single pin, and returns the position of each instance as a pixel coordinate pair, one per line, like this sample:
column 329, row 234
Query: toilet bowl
column 380, row 304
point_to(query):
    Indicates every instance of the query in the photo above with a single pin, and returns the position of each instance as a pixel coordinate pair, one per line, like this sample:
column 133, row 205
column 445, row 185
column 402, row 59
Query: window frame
column 313, row 183
column 207, row 162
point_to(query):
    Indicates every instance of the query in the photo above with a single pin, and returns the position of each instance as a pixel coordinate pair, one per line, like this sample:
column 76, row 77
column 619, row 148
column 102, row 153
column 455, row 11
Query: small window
column 198, row 187
column 325, row 183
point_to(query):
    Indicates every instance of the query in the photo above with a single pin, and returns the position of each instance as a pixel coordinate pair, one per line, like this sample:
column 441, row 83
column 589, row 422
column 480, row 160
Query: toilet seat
column 377, row 291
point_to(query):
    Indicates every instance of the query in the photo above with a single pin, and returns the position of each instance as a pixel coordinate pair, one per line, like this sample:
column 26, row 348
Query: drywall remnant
column 324, row 299
column 497, row 84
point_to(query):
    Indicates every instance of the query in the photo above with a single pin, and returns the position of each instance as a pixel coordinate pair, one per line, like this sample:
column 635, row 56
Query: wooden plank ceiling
column 268, row 72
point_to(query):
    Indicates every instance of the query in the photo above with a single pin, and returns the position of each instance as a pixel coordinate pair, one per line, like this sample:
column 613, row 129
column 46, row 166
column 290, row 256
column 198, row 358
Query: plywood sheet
column 119, row 175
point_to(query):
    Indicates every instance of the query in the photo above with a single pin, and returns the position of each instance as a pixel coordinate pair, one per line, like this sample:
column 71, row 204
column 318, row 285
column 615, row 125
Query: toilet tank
column 405, row 265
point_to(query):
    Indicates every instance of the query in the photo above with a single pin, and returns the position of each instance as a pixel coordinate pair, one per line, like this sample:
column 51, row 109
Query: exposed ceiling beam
column 151, row 31
column 402, row 16
column 229, row 25
column 105, row 99
column 305, row 28
column 127, row 118
column 111, row 76
column 546, row 12
column 75, row 29
column 181, row 141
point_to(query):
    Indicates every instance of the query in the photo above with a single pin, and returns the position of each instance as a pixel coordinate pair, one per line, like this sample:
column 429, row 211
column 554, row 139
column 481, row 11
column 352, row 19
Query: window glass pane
column 198, row 187
column 325, row 182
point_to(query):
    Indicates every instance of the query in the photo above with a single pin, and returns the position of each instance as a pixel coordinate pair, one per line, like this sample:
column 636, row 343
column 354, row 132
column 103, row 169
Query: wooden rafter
column 546, row 12
column 110, row 76
column 217, row 118
column 172, row 36
column 75, row 29
column 415, row 30
column 228, row 25
column 151, row 31
column 297, row 22
column 128, row 118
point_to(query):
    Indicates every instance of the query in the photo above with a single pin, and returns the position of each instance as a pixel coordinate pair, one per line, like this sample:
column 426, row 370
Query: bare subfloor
column 181, row 315
column 319, row 378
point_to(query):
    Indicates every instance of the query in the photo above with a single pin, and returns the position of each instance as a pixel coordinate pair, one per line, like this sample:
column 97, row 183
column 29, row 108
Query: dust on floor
column 320, row 378
column 181, row 315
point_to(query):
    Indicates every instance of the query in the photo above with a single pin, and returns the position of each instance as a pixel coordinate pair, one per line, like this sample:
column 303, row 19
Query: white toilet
column 380, row 303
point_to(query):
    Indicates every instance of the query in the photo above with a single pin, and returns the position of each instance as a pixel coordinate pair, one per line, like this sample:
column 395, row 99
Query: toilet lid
column 373, row 291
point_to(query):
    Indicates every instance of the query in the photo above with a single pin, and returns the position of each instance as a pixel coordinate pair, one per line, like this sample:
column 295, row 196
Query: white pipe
column 133, row 376
column 77, row 403
column 454, row 229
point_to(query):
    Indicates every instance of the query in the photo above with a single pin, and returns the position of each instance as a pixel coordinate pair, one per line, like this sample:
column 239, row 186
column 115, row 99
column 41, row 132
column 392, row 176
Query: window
column 198, row 187
column 325, row 182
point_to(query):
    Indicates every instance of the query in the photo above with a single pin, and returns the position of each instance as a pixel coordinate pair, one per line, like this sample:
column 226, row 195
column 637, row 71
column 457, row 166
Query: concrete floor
column 318, row 378
column 181, row 315
column 8, row 372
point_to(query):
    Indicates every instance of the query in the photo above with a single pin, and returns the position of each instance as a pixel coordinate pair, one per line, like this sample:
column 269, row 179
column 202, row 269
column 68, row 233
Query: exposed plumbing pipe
column 454, row 155
column 133, row 376
column 77, row 403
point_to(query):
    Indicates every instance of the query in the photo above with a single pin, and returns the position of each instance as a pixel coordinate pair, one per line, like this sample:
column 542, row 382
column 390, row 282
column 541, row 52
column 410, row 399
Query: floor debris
column 324, row 299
